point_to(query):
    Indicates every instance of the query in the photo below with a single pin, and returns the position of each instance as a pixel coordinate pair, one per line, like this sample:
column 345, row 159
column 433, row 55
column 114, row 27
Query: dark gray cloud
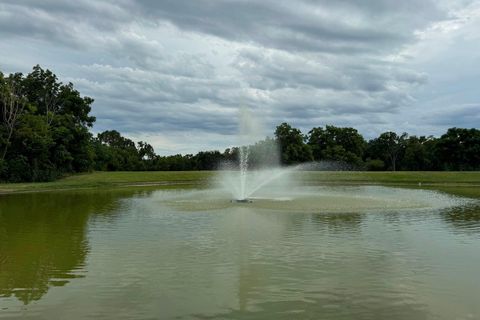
column 176, row 71
column 61, row 22
column 332, row 26
column 341, row 27
column 277, row 70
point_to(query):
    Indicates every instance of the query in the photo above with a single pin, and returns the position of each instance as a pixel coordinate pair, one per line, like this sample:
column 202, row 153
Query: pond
column 339, row 252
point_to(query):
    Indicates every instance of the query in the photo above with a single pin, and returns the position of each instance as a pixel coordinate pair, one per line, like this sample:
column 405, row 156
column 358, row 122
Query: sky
column 175, row 73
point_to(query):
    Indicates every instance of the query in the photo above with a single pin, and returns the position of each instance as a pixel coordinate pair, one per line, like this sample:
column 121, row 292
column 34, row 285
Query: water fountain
column 258, row 165
column 258, row 180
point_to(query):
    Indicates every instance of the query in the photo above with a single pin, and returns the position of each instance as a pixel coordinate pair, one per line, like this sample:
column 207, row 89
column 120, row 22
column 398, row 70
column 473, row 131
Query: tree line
column 45, row 134
column 456, row 150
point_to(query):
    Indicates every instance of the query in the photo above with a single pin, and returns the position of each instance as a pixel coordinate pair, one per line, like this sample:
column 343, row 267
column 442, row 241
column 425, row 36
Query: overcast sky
column 176, row 72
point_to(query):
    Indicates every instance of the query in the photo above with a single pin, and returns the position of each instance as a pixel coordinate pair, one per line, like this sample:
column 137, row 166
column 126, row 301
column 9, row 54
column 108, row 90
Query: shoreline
column 142, row 179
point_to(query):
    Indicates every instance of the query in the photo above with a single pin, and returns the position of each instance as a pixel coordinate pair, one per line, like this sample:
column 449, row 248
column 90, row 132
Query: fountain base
column 242, row 200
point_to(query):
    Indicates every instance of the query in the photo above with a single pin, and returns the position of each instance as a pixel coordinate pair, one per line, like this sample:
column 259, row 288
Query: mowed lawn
column 398, row 177
column 113, row 179
column 469, row 181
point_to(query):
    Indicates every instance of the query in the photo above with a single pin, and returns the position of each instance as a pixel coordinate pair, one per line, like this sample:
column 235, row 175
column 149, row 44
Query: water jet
column 257, row 168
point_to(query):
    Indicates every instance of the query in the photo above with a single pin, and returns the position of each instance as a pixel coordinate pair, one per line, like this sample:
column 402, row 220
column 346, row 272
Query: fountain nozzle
column 242, row 200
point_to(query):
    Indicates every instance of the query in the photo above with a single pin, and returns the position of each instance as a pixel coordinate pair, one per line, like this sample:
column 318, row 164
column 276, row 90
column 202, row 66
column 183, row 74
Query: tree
column 12, row 103
column 264, row 153
column 44, row 131
column 459, row 149
column 231, row 154
column 66, row 114
column 76, row 106
column 292, row 145
column 418, row 153
column 43, row 89
column 208, row 160
column 146, row 154
column 389, row 147
column 30, row 159
column 117, row 153
column 337, row 144
column 145, row 151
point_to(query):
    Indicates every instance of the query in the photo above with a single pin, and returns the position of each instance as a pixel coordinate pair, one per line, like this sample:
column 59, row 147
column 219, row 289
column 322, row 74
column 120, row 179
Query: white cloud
column 175, row 72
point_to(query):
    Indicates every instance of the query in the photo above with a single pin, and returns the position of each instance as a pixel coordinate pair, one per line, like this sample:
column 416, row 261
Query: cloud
column 465, row 115
column 71, row 23
column 331, row 26
column 177, row 71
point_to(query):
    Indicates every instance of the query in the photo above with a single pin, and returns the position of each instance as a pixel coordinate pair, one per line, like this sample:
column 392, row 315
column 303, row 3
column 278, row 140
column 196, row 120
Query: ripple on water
column 318, row 200
column 348, row 253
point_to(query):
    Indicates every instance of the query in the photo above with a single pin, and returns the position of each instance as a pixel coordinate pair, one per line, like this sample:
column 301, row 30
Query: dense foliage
column 45, row 133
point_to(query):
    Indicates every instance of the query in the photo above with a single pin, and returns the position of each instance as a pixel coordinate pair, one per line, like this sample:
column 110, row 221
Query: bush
column 19, row 169
column 375, row 165
column 3, row 170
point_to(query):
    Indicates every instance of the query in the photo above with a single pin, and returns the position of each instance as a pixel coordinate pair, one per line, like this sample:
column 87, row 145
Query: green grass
column 459, row 182
column 399, row 177
column 112, row 179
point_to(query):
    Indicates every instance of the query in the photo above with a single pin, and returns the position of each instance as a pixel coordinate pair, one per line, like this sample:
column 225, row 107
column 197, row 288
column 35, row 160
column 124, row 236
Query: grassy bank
column 398, row 178
column 113, row 179
column 468, row 180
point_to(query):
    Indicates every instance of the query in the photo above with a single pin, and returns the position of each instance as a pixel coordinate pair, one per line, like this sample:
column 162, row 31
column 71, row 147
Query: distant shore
column 463, row 182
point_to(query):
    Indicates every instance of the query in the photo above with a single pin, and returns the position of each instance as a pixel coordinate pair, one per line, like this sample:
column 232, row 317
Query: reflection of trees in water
column 465, row 219
column 43, row 238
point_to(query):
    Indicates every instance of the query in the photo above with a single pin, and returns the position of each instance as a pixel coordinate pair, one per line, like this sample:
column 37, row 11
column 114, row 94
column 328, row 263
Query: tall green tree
column 293, row 148
column 388, row 147
column 146, row 155
column 115, row 152
column 12, row 104
column 459, row 149
column 44, row 129
column 42, row 89
column 337, row 144
column 419, row 153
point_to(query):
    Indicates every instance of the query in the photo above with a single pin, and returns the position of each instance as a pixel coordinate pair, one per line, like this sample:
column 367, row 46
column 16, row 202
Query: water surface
column 336, row 253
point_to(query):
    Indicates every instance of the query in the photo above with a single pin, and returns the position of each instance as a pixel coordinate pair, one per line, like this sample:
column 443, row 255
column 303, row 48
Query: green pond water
column 319, row 253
